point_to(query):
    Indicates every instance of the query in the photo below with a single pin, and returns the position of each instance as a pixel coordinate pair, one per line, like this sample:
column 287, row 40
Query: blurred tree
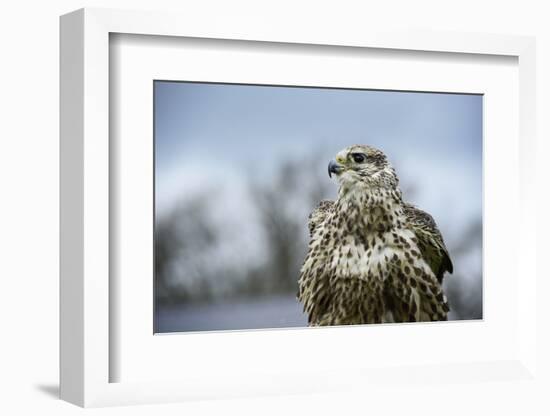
column 284, row 206
column 180, row 237
column 464, row 288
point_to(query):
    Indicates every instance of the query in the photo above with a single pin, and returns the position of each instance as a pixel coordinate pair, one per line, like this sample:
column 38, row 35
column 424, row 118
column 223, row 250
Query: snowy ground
column 261, row 313
column 271, row 312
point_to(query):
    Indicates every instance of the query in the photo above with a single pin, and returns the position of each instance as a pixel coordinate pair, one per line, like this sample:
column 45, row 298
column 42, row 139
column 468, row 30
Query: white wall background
column 29, row 207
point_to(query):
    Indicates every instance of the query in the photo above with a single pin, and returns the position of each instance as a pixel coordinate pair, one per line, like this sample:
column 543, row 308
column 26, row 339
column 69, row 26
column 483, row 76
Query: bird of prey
column 372, row 257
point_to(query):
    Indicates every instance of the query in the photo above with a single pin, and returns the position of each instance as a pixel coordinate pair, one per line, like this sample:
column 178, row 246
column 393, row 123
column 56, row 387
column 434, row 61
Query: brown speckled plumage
column 372, row 258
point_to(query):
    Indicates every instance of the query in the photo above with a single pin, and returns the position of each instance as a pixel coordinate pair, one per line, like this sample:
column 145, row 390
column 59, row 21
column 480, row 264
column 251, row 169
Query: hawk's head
column 363, row 165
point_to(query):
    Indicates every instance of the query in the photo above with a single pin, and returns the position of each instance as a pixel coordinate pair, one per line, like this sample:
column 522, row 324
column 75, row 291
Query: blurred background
column 238, row 169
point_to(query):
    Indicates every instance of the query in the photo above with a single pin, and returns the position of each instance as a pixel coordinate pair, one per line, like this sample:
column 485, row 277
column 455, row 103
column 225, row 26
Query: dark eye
column 358, row 157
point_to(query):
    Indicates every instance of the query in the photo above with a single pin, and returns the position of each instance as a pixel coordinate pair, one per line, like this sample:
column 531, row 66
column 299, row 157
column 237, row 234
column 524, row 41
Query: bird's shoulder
column 319, row 214
column 430, row 240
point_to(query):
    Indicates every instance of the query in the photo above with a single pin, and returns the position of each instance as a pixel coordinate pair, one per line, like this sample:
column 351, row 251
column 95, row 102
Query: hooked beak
column 334, row 167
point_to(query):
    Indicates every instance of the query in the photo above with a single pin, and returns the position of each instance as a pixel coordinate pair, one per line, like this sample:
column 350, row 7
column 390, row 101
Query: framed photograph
column 262, row 211
column 251, row 234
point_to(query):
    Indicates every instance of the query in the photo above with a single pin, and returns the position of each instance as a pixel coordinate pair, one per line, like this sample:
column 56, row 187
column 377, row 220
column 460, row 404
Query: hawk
column 372, row 257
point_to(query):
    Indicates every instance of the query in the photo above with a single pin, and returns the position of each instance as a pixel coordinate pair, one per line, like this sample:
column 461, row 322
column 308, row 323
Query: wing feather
column 430, row 241
column 313, row 285
column 318, row 215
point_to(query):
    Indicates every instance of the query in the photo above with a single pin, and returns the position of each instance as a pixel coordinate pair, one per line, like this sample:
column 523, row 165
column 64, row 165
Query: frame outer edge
column 84, row 177
column 71, row 221
column 527, row 324
column 95, row 196
column 145, row 22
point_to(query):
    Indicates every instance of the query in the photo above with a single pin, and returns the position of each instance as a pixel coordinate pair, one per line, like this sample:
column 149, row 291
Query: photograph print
column 289, row 206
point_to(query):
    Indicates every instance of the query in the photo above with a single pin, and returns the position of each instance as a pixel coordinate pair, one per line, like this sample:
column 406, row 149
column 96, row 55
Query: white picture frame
column 87, row 356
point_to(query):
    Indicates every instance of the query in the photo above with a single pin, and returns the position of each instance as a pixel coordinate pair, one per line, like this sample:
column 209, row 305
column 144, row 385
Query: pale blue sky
column 236, row 119
column 216, row 133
